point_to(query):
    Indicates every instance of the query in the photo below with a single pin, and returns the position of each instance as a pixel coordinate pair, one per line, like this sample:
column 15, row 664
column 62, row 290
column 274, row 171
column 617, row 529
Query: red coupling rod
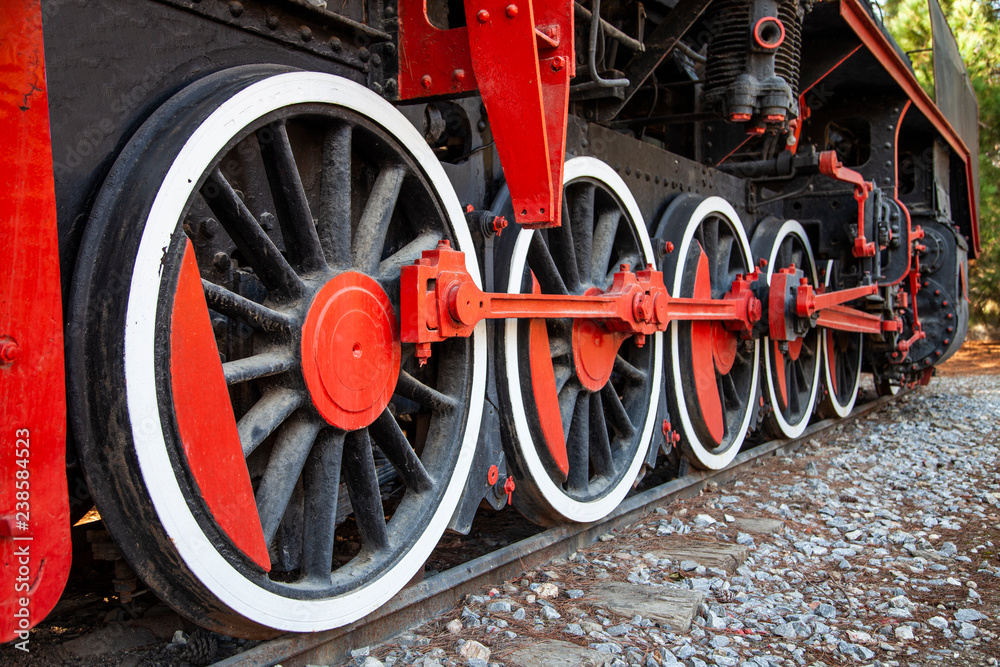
column 440, row 300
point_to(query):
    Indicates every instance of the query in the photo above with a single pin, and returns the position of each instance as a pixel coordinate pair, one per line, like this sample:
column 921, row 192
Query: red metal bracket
column 34, row 505
column 520, row 56
column 830, row 165
column 440, row 300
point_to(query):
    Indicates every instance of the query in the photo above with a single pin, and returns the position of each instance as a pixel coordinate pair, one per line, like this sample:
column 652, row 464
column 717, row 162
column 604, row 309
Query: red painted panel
column 34, row 507
column 205, row 418
column 702, row 359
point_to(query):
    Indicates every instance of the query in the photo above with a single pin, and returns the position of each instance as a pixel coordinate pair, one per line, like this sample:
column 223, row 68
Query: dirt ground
column 974, row 358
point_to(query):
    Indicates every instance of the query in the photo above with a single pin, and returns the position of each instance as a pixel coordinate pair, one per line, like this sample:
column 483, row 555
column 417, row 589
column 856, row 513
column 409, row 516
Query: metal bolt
column 335, row 44
column 669, row 247
column 458, row 75
column 236, row 9
column 306, row 33
column 376, row 88
column 9, row 352
column 483, row 16
column 376, row 59
column 426, row 81
column 364, row 55
column 481, row 125
column 558, row 63
column 511, row 11
column 221, row 261
column 271, row 21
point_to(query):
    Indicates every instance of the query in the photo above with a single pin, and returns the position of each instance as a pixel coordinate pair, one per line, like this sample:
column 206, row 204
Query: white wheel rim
column 790, row 430
column 720, row 207
column 200, row 556
column 839, row 409
column 570, row 508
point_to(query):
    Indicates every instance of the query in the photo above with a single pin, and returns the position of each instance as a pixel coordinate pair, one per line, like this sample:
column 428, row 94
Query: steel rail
column 419, row 603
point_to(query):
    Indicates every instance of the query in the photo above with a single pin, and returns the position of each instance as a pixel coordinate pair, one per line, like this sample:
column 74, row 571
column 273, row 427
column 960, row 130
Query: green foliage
column 976, row 26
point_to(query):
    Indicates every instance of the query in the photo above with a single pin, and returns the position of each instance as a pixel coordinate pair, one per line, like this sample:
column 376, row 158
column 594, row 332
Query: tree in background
column 976, row 25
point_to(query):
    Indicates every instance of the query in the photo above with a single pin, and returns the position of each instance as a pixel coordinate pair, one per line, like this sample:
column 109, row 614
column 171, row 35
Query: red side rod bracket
column 440, row 300
column 520, row 56
column 830, row 165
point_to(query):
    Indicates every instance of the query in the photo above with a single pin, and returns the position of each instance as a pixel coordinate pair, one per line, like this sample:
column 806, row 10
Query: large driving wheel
column 712, row 373
column 791, row 367
column 579, row 400
column 842, row 358
column 266, row 453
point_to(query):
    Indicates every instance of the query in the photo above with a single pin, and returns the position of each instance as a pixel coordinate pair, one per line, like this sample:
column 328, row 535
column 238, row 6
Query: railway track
column 421, row 601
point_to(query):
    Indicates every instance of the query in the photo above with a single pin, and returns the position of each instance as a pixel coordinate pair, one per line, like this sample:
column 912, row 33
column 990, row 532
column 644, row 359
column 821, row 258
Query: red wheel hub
column 350, row 351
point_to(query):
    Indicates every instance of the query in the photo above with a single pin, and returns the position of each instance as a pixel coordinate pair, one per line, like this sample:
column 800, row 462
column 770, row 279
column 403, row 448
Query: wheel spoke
column 544, row 267
column 371, row 232
column 321, row 484
column 582, row 216
column 563, row 374
column 559, row 346
column 283, row 469
column 258, row 366
column 561, row 245
column 567, row 405
column 334, row 225
column 628, row 370
column 409, row 387
column 393, row 443
column 362, row 487
column 726, row 246
column 710, row 232
column 230, row 304
column 631, row 259
column 578, row 446
column 297, row 225
column 255, row 245
column 616, row 411
column 604, row 243
column 389, row 267
column 600, row 445
column 265, row 416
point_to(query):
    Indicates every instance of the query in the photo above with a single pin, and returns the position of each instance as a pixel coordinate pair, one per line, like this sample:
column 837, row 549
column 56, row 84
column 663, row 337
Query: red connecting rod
column 440, row 300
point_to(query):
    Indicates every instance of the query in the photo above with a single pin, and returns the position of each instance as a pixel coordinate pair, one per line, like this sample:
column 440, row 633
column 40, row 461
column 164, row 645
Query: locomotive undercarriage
column 307, row 331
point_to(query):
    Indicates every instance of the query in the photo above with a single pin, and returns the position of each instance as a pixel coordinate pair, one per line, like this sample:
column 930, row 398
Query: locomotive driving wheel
column 580, row 400
column 266, row 452
column 712, row 372
column 842, row 358
column 792, row 367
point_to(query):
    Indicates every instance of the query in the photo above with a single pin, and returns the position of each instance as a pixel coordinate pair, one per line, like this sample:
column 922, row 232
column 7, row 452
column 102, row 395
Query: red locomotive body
column 329, row 278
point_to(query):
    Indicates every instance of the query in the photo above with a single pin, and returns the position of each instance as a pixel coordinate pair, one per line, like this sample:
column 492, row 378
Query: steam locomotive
column 292, row 287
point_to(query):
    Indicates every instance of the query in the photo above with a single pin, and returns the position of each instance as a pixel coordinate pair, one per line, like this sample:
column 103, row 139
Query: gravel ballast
column 877, row 546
